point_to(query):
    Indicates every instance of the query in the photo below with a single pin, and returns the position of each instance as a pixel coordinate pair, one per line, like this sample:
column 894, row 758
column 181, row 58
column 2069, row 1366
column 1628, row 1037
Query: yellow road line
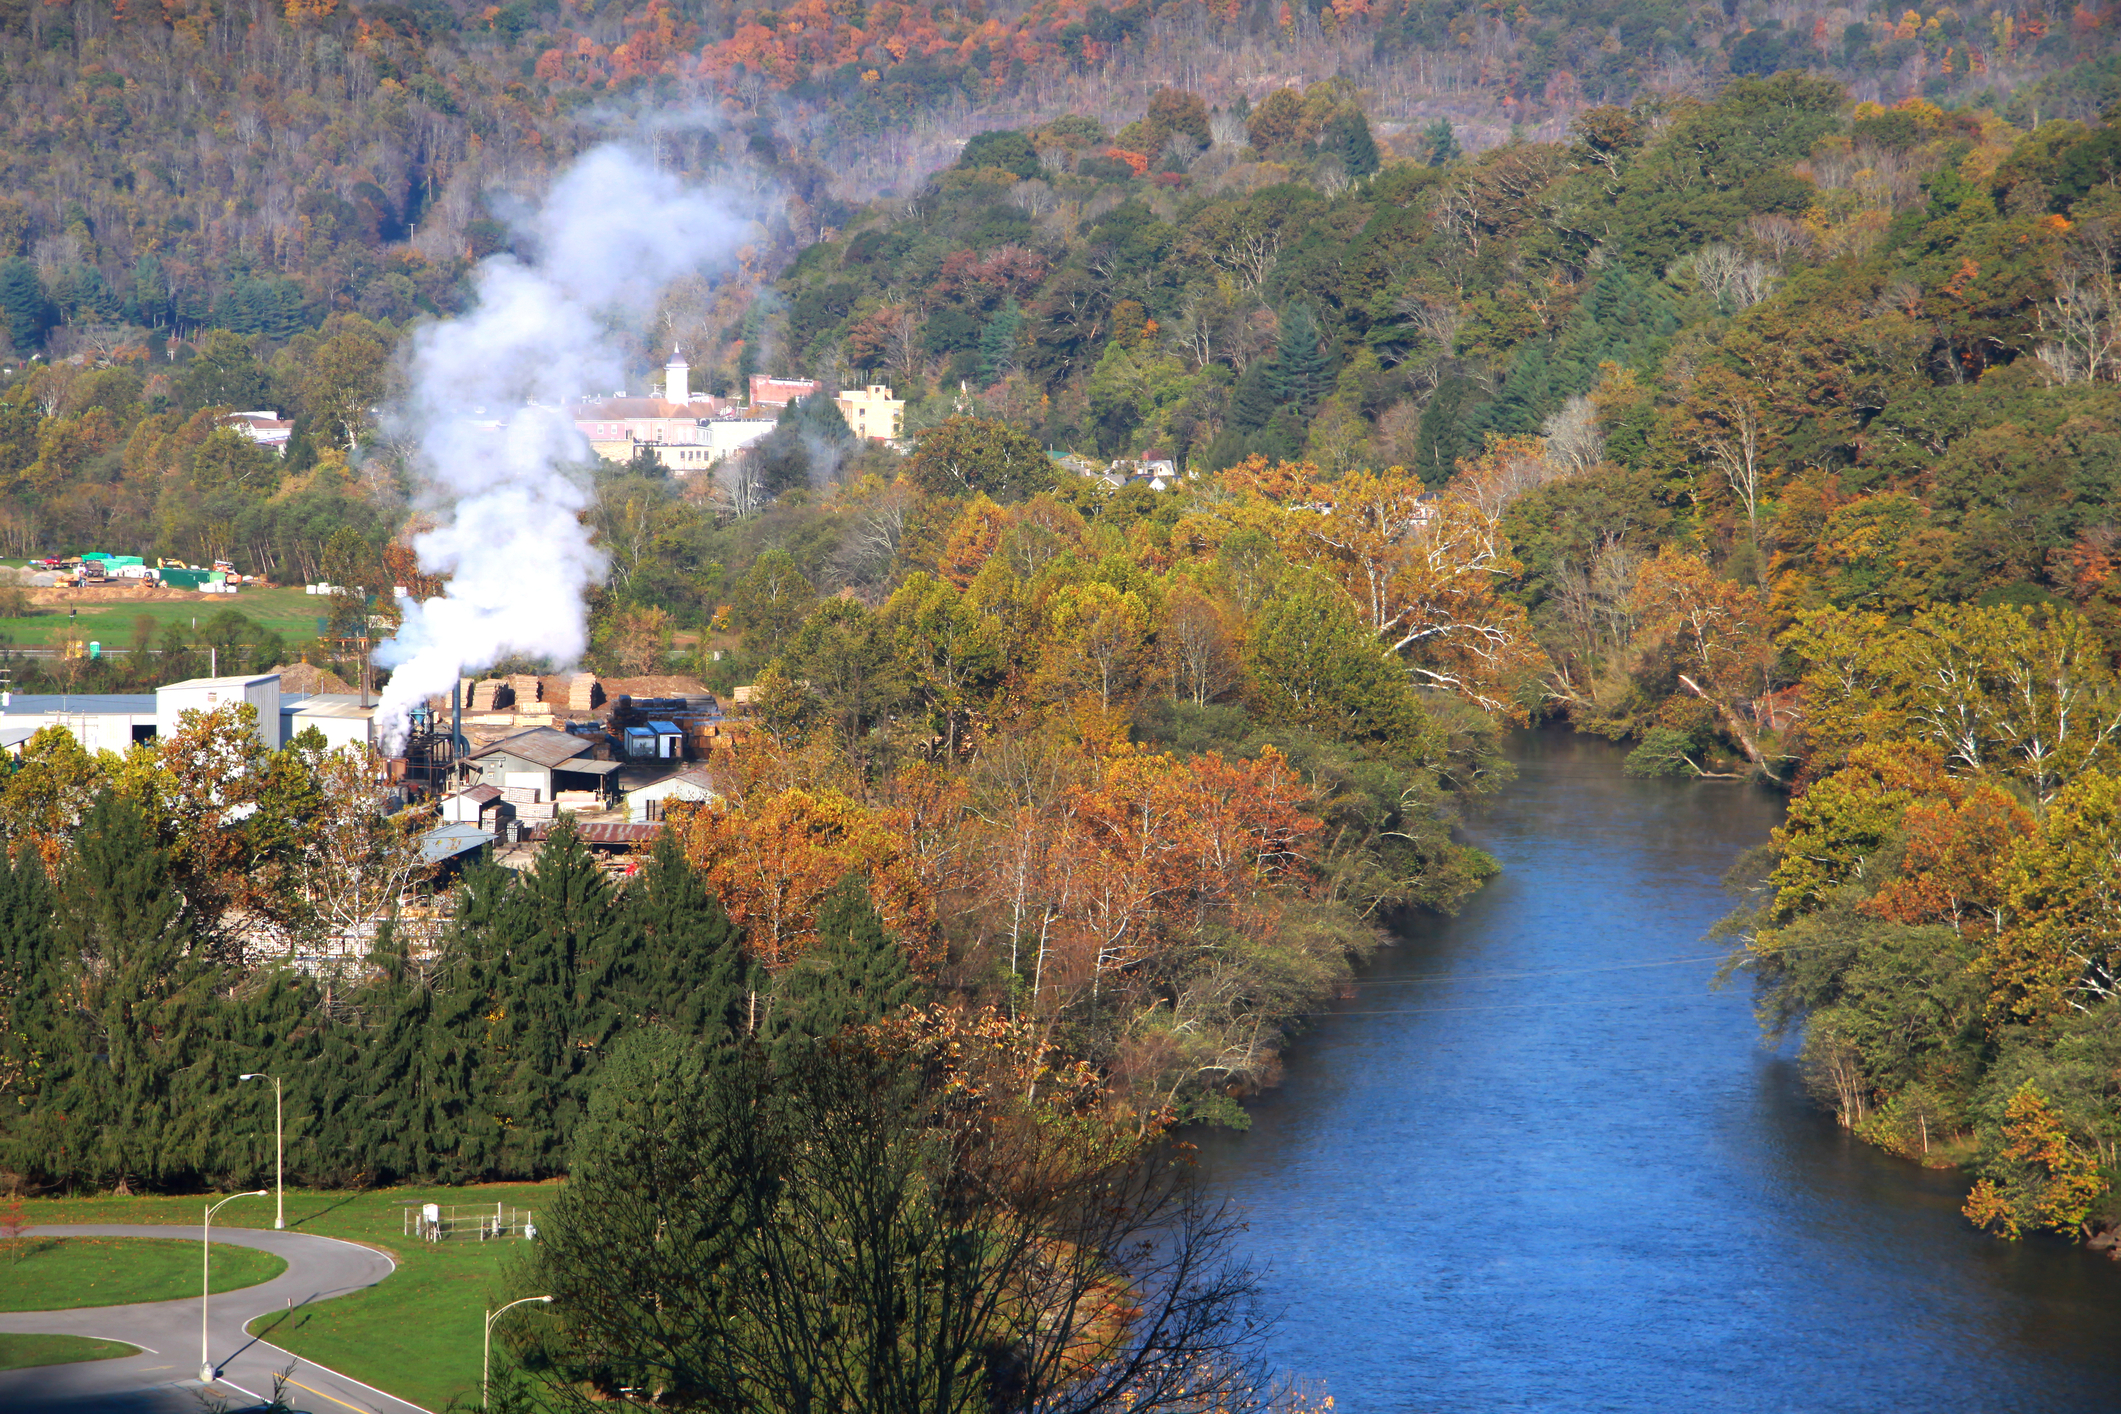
column 322, row 1395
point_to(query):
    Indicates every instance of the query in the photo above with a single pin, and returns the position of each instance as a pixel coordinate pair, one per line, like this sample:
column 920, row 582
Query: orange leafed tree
column 773, row 857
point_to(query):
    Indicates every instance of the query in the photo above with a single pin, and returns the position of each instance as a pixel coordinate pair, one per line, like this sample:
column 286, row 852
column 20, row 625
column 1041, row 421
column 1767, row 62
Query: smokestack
column 508, row 503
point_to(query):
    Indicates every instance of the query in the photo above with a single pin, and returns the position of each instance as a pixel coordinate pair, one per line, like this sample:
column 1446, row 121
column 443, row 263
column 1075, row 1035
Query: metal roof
column 696, row 778
column 15, row 736
column 94, row 704
column 450, row 841
column 540, row 744
column 599, row 833
column 666, row 728
column 482, row 794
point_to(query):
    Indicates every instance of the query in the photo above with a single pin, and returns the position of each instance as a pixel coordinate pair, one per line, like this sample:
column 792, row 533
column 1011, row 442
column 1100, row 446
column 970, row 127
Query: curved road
column 164, row 1378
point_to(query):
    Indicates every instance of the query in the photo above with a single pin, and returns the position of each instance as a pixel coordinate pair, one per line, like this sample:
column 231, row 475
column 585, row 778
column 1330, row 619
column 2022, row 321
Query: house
column 543, row 762
column 645, row 804
column 479, row 805
column 872, row 412
column 264, row 427
column 779, row 392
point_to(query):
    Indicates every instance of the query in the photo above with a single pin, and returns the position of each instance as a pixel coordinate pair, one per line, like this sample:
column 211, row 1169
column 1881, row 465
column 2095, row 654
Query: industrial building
column 115, row 721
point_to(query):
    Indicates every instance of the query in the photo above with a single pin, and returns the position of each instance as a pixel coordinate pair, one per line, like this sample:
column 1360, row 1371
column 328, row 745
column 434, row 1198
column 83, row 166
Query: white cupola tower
column 677, row 378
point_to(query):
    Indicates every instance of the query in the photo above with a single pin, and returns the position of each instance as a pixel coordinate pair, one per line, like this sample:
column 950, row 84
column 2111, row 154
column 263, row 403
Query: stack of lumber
column 584, row 693
column 527, row 689
column 489, row 694
column 578, row 800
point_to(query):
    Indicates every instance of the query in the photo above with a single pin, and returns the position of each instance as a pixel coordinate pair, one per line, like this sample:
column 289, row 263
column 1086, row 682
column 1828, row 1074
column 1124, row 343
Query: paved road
column 164, row 1379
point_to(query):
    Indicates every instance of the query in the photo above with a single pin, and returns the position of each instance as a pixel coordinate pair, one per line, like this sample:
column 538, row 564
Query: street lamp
column 207, row 1373
column 486, row 1355
column 279, row 1150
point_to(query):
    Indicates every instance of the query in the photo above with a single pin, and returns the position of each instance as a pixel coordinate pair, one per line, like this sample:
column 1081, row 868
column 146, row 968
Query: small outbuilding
column 645, row 804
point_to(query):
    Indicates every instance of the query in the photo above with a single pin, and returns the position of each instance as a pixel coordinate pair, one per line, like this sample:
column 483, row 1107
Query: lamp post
column 207, row 1373
column 279, row 1151
column 486, row 1355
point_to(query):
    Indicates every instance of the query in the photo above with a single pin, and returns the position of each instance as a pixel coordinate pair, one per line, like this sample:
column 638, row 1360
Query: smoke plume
column 609, row 236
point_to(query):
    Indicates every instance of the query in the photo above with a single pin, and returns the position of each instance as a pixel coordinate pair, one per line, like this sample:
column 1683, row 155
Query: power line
column 1528, row 976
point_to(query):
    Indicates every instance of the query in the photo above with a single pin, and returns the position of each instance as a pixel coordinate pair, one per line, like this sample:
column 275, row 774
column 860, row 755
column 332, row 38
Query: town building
column 779, row 392
column 680, row 437
column 872, row 412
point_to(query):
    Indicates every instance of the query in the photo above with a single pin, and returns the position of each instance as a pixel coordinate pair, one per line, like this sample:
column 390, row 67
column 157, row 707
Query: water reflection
column 1533, row 1166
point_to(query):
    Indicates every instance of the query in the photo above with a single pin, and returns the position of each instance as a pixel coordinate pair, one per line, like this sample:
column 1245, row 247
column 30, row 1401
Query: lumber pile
column 584, row 693
column 489, row 695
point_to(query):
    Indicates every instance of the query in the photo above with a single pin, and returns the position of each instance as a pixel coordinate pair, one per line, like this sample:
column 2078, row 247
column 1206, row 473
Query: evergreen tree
column 151, row 292
column 1253, row 402
column 27, row 308
column 683, row 964
column 854, row 975
column 1347, row 136
column 1299, row 373
column 556, row 931
column 997, row 342
column 1442, row 437
column 140, row 991
column 1442, row 143
column 28, row 975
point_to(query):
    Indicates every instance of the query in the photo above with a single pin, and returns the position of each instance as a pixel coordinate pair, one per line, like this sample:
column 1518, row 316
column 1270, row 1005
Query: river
column 1532, row 1166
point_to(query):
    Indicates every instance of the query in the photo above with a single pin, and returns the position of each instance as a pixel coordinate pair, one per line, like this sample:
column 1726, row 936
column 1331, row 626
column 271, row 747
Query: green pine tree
column 856, row 974
column 997, row 342
column 1298, row 376
column 1442, row 143
column 1443, row 436
column 1347, row 136
column 141, row 990
column 28, row 981
column 683, row 964
column 556, row 931
column 1253, row 401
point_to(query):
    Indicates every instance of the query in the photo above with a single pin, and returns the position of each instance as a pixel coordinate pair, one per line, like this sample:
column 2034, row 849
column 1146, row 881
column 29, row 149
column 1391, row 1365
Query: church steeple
column 677, row 378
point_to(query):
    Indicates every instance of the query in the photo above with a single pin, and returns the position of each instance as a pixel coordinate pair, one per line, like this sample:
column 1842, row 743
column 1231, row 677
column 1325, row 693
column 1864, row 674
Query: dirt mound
column 304, row 680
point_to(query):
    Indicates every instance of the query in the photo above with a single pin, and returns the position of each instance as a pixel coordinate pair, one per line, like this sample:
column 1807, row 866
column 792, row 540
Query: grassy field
column 61, row 1274
column 109, row 620
column 21, row 1352
column 415, row 1335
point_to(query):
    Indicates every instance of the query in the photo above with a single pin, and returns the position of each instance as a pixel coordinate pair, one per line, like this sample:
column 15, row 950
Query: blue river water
column 1537, row 1163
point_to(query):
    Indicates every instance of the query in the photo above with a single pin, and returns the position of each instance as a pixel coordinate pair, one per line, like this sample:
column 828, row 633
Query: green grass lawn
column 288, row 612
column 60, row 1274
column 414, row 1335
column 21, row 1352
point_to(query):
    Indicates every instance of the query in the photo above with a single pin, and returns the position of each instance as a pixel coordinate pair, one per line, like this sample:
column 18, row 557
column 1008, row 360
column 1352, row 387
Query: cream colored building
column 872, row 412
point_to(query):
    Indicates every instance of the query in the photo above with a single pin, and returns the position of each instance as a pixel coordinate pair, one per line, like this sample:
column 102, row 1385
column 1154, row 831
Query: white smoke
column 607, row 239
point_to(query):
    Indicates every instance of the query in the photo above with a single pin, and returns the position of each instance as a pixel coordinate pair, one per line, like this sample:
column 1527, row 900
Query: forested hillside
column 1770, row 423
